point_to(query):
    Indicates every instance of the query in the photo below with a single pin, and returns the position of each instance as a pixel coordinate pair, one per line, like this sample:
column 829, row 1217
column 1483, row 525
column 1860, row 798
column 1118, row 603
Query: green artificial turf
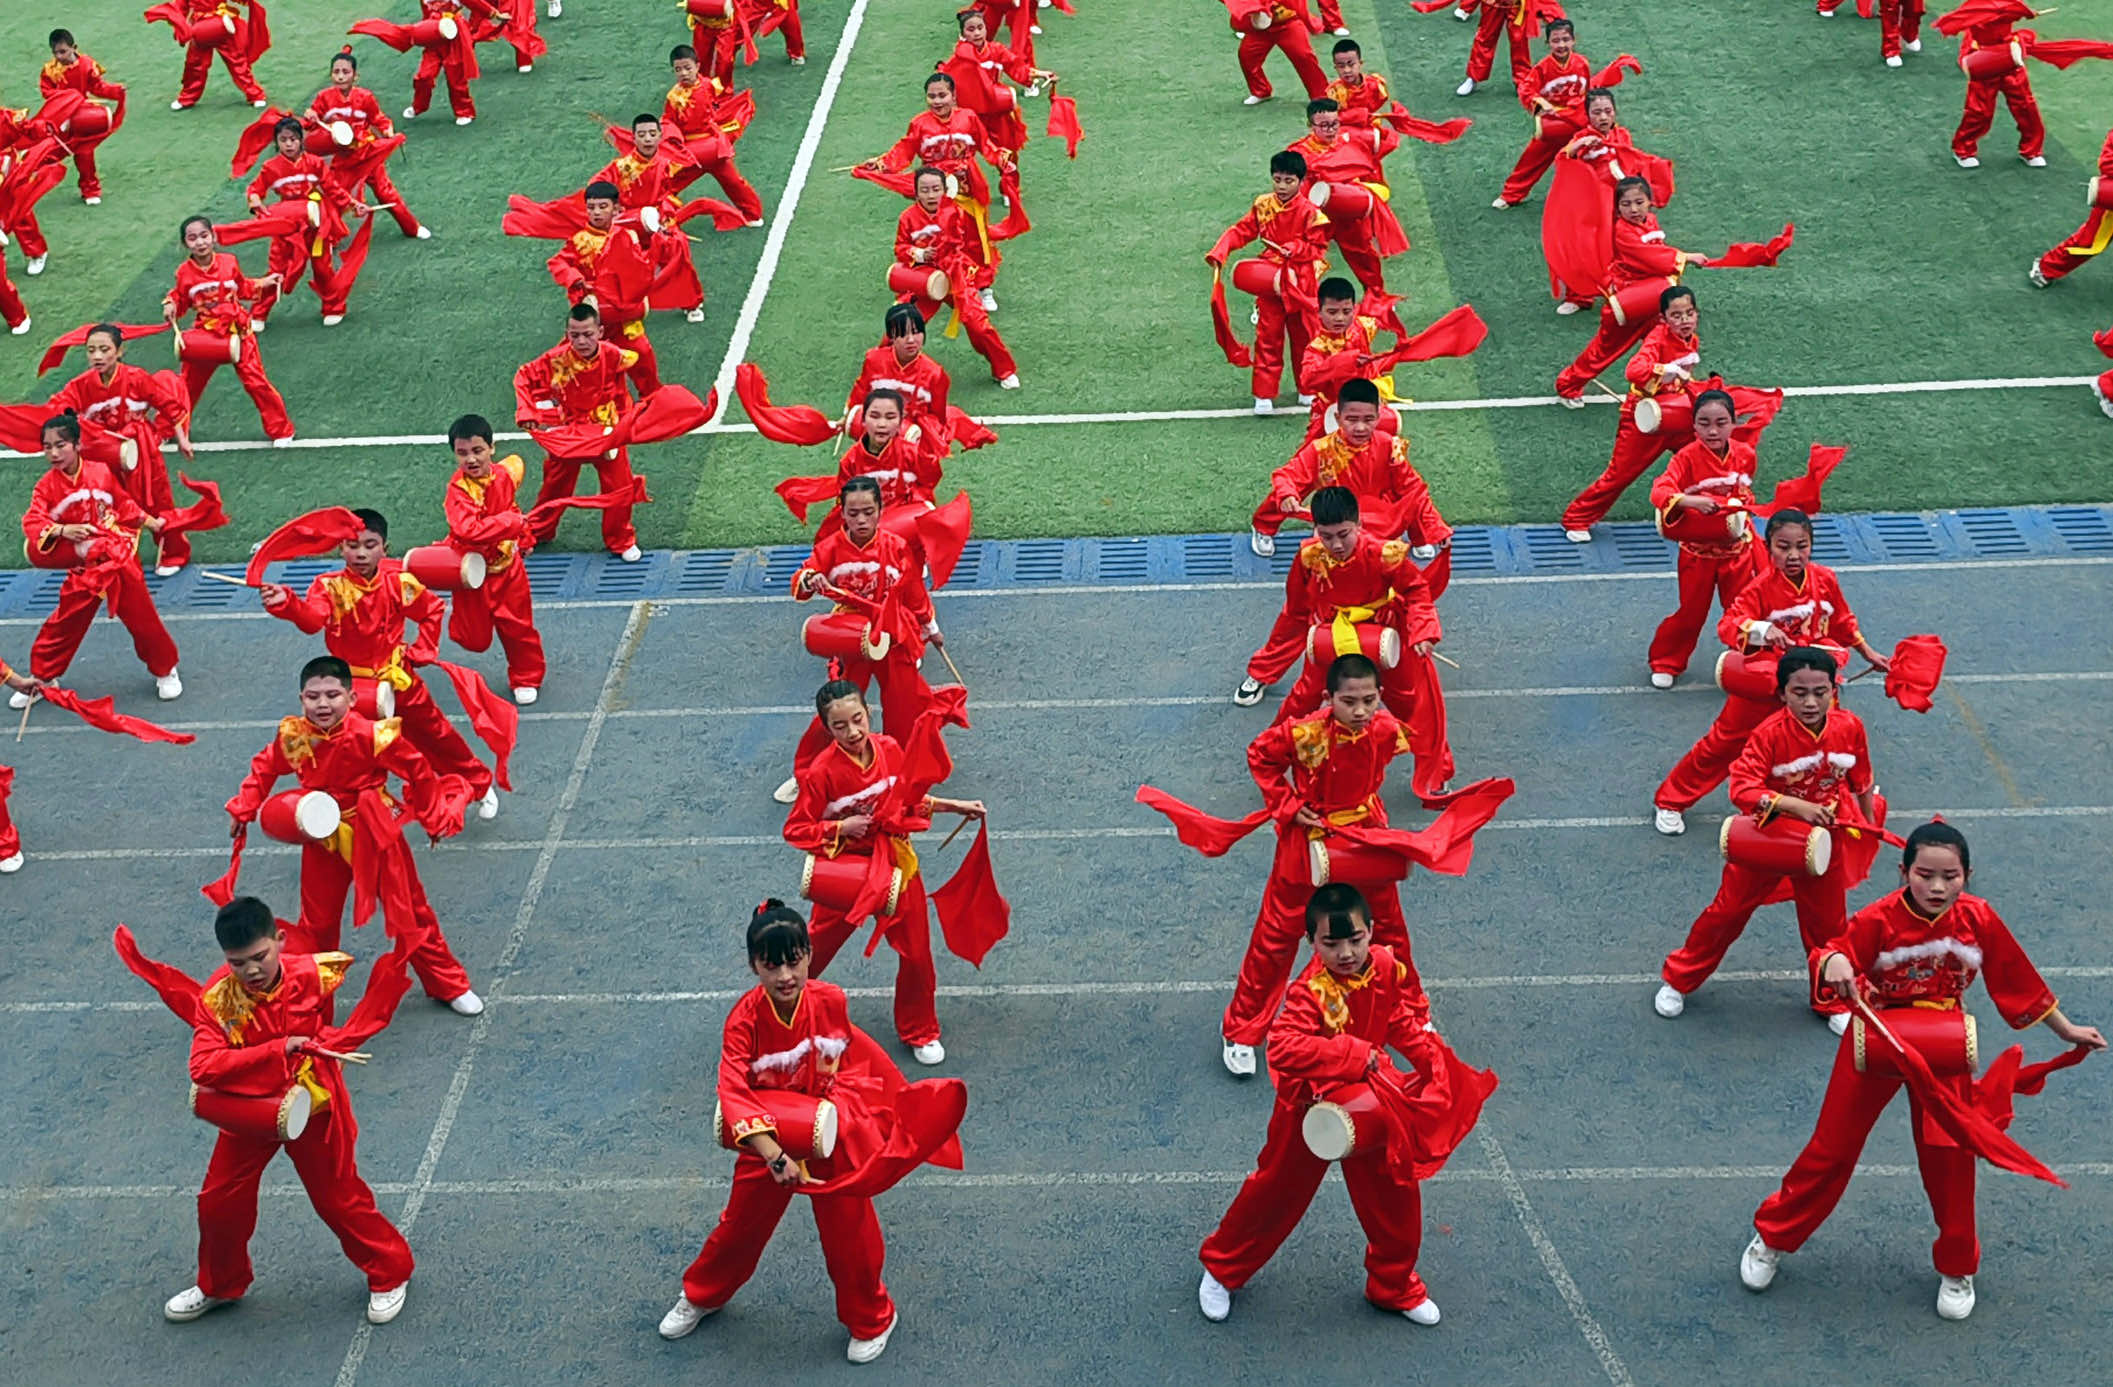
column 1905, row 267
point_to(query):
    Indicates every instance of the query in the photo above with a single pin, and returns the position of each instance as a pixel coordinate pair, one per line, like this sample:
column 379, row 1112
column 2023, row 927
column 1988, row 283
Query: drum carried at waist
column 1335, row 858
column 1258, row 277
column 806, row 1126
column 919, row 282
column 280, row 1118
column 1343, row 201
column 836, row 881
column 428, row 32
column 1670, row 413
column 213, row 31
column 2099, row 193
column 87, row 122
column 1347, row 1123
column 444, row 568
column 1752, row 673
column 1251, row 14
column 300, row 816
column 1725, row 525
column 1638, row 302
column 1945, row 1037
column 710, row 9
column 1993, row 64
column 1785, row 846
column 1379, row 644
column 214, row 348
column 373, row 697
column 841, row 635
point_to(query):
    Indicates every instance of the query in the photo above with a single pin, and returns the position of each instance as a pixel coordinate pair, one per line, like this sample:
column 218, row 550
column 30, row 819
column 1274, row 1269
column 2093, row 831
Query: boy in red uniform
column 1794, row 602
column 1641, row 254
column 72, row 70
column 1281, row 24
column 692, row 108
column 148, row 407
column 1372, row 463
column 1517, row 21
column 258, row 1020
column 456, row 58
column 1667, row 363
column 581, row 381
column 244, row 42
column 483, row 517
column 2088, row 240
column 1915, row 950
column 933, row 232
column 361, row 612
column 211, row 285
column 1294, row 237
column 345, row 100
column 11, row 855
column 1344, row 349
column 1352, row 158
column 294, row 175
column 1363, row 98
column 334, row 749
column 1703, row 498
column 1802, row 762
column 1354, row 1001
column 607, row 265
column 80, row 519
column 2014, row 86
column 645, row 179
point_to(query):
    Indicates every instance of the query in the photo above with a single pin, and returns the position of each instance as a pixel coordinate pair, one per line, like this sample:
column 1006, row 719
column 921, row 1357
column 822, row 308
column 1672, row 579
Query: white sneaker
column 1424, row 1311
column 383, row 1306
column 632, row 555
column 1213, row 1299
column 694, row 315
column 410, row 114
column 1966, row 161
column 787, row 792
column 1757, row 1265
column 1465, row 88
column 464, row 120
column 1341, row 33
column 1669, row 1002
column 1566, row 309
column 488, row 807
column 91, row 202
column 36, row 263
column 1670, row 822
column 556, row 8
column 1955, row 1297
column 2037, row 161
column 168, row 687
column 286, row 442
column 682, row 1317
column 257, row 326
column 167, row 570
column 424, row 233
column 18, row 699
column 468, row 1004
column 931, row 1052
column 333, row 319
column 524, row 696
column 1261, row 545
column 189, row 1303
column 1500, row 204
column 753, row 224
column 1578, row 536
column 260, row 105
column 1010, row 382
column 2105, row 404
column 178, row 106
column 1239, row 1060
column 988, row 299
column 1252, row 100
column 866, row 1350
column 1913, row 45
column 19, row 328
column 2039, row 281
column 525, row 68
column 1461, row 14
column 1264, row 405
column 1661, row 680
column 1571, row 402
column 1305, row 400
column 801, row 61
column 10, row 865
column 1893, row 60
column 1248, row 694
column 1838, row 1022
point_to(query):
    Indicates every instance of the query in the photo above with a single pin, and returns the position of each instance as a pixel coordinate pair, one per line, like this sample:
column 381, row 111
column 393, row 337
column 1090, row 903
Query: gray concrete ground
column 553, row 1159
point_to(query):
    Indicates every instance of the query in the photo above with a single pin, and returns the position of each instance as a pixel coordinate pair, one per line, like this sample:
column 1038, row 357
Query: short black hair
column 243, row 921
column 644, row 118
column 1342, row 906
column 1346, row 46
column 279, row 127
column 470, row 426
column 1358, row 391
column 584, row 313
column 1332, row 505
column 777, row 935
column 854, row 485
column 1789, row 515
column 939, row 77
column 925, row 171
column 326, row 667
column 1288, row 161
column 885, row 394
column 1722, row 397
column 59, row 36
column 1343, row 668
column 373, row 520
column 681, row 51
column 1806, row 657
column 1674, row 294
column 603, row 188
column 1335, row 289
column 1321, row 106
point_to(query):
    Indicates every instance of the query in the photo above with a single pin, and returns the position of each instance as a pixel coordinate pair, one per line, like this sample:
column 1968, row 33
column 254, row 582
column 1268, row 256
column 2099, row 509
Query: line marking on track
column 1552, row 1261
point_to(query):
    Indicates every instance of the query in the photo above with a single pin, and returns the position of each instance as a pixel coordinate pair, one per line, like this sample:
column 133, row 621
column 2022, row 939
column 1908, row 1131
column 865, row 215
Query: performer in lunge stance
column 1906, row 961
column 1795, row 602
column 1345, row 349
column 263, row 1038
column 1643, row 269
column 312, row 207
column 344, row 100
column 82, row 520
column 935, row 235
column 212, row 289
column 791, row 1065
column 72, row 70
column 1353, row 1002
column 148, row 407
column 332, row 748
column 1703, row 499
column 361, row 612
column 2089, row 240
column 1554, row 93
column 946, row 137
column 1283, row 25
column 1294, row 238
column 1988, row 48
column 697, row 108
column 1668, row 363
column 1518, row 22
column 1371, row 462
column 484, row 518
column 1346, row 177
column 234, row 29
column 580, row 381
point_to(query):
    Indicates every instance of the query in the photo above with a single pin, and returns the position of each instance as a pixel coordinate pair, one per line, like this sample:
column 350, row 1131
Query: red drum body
column 87, row 122
column 806, row 1127
column 1946, row 1038
column 373, row 698
column 918, row 281
column 709, row 9
column 1347, row 1123
column 213, row 31
column 428, row 32
column 1257, row 277
column 1638, row 302
column 444, row 568
column 1342, row 201
column 1993, row 64
column 1787, row 847
column 1671, row 413
column 282, row 1118
column 840, row 635
column 1335, row 859
column 299, row 816
column 2100, row 192
column 1693, row 527
column 220, row 349
column 835, row 882
column 1379, row 644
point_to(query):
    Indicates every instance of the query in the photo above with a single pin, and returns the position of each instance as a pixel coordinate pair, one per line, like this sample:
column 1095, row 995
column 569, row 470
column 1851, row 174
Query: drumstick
column 847, row 168
column 23, row 726
column 1605, row 391
column 956, row 833
column 953, row 669
column 348, row 1056
column 1867, row 669
column 210, row 576
column 1444, row 661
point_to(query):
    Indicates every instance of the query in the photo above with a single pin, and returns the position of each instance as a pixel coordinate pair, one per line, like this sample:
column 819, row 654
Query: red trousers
column 1709, row 760
column 1413, row 694
column 198, row 64
column 1276, row 321
column 503, row 605
column 1980, row 113
column 148, row 485
column 28, row 233
column 84, row 161
column 561, row 477
column 1483, row 56
column 1701, row 579
column 1816, row 1180
column 1291, row 38
column 1608, row 345
column 981, row 334
column 1534, row 160
column 909, row 933
column 2086, row 241
column 852, row 1248
column 11, row 305
column 325, row 1159
column 1273, row 1200
column 380, row 190
column 630, row 334
column 1634, row 452
column 427, row 728
column 271, row 408
column 1354, row 240
column 1280, row 932
column 326, row 878
column 290, row 262
column 10, row 840
column 1821, row 906
column 60, row 637
column 716, row 158
column 1898, row 21
column 430, row 67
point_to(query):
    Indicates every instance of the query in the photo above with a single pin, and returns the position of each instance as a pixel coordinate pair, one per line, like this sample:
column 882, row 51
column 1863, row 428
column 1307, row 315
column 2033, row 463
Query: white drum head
column 316, row 814
column 1389, row 648
column 875, row 650
column 1318, row 194
column 824, row 1128
column 649, row 218
column 1819, row 852
column 128, row 454
column 1328, row 1132
column 234, row 351
column 447, row 28
column 384, row 699
column 294, row 1112
column 1317, row 861
column 340, row 132
column 1259, row 20
column 1648, row 415
column 473, row 570
column 936, row 287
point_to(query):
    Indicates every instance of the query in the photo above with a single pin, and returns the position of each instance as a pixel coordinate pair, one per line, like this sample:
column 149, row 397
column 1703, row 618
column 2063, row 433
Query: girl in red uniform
column 345, row 100
column 210, row 283
column 1702, row 499
column 1917, row 949
column 1640, row 253
column 148, row 407
column 934, row 233
column 11, row 856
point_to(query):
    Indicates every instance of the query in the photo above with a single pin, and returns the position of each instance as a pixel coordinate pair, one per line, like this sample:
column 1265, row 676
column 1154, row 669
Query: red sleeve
column 261, row 184
column 1748, row 782
column 310, row 611
column 2014, row 985
column 1530, row 88
column 1863, row 776
column 1643, row 367
column 1242, row 232
column 1643, row 258
column 1298, row 594
column 1419, row 512
column 1859, row 942
column 1844, row 624
column 265, row 770
column 1324, row 373
column 99, row 83
column 900, row 154
column 1301, row 1048
column 1269, row 762
column 404, row 761
column 172, row 302
column 1419, row 613
column 468, row 523
column 916, row 598
column 568, row 273
column 1405, row 1024
column 1669, row 483
column 1744, row 611
column 217, row 1062
column 942, row 386
column 739, row 1107
column 805, row 827
column 531, row 388
column 47, row 88
column 164, row 391
column 428, row 610
column 904, row 246
column 1296, row 477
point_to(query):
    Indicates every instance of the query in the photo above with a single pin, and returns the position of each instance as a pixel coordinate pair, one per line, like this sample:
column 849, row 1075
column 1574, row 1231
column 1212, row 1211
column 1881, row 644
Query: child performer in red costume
column 361, row 611
column 455, row 58
column 788, row 1050
column 579, row 381
column 1345, row 163
column 262, row 1029
column 1280, row 24
column 320, row 206
column 72, row 70
column 608, row 265
column 1294, row 237
column 210, row 284
column 484, row 517
column 696, row 108
column 148, row 407
column 1554, row 95
column 11, row 855
column 1794, row 602
column 1641, row 257
column 1988, row 26
column 900, row 363
column 947, row 137
column 347, row 101
column 1354, row 1001
column 980, row 68
column 1668, row 362
column 1906, row 960
column 80, row 519
column 334, row 749
column 1805, row 761
column 237, row 30
column 933, row 233
column 1517, row 22
column 2089, row 240
column 1703, row 498
column 842, row 789
column 1372, row 463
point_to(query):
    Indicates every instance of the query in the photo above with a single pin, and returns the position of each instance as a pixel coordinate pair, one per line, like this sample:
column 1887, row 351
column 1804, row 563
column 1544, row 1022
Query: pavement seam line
column 1552, row 1262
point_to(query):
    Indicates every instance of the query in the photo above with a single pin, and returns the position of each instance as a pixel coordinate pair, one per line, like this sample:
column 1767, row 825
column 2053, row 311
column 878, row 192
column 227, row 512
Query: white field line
column 1552, row 1261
